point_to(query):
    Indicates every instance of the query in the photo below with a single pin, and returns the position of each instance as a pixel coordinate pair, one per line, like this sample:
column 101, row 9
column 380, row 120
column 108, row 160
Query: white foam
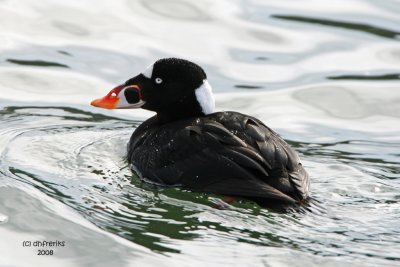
column 205, row 97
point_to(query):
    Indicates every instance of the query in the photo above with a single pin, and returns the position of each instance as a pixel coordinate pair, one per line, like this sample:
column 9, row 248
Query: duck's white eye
column 158, row 80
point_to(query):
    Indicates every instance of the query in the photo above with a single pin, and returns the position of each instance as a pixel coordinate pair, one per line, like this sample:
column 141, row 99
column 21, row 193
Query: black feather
column 226, row 153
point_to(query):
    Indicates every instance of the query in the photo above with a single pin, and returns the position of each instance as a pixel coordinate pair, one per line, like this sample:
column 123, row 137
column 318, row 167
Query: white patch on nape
column 148, row 72
column 205, row 97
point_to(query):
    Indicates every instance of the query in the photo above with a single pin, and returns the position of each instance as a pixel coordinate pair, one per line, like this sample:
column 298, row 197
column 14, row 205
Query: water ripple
column 362, row 27
column 77, row 157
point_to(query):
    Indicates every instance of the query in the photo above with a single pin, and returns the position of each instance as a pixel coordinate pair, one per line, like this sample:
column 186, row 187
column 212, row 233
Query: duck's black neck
column 170, row 116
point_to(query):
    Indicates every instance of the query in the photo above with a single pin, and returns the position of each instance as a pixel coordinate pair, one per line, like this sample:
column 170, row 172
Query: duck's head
column 174, row 88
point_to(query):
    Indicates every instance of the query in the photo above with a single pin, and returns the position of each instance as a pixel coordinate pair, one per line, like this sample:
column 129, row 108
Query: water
column 324, row 74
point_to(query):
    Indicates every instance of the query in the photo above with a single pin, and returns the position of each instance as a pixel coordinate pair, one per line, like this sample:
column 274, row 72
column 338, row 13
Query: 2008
column 45, row 252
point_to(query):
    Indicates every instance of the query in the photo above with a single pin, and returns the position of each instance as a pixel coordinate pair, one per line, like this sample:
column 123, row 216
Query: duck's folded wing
column 216, row 160
column 221, row 175
column 247, row 188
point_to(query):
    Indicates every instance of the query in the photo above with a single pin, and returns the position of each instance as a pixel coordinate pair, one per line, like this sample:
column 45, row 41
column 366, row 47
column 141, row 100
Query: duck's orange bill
column 110, row 101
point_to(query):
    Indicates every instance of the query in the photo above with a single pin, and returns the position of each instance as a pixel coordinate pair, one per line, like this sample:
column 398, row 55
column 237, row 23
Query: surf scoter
column 188, row 144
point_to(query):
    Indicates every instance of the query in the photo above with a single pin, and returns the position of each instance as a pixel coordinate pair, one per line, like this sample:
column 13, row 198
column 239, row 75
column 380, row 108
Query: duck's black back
column 226, row 153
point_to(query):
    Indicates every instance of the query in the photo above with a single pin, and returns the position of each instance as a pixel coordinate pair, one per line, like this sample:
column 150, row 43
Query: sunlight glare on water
column 323, row 74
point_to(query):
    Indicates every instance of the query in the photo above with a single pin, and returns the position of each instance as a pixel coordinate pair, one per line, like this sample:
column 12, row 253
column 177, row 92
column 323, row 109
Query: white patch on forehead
column 205, row 97
column 148, row 72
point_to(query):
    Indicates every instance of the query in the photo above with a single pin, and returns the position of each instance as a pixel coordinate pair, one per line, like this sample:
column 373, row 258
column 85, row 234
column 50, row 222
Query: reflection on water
column 394, row 76
column 325, row 76
column 39, row 63
column 345, row 25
